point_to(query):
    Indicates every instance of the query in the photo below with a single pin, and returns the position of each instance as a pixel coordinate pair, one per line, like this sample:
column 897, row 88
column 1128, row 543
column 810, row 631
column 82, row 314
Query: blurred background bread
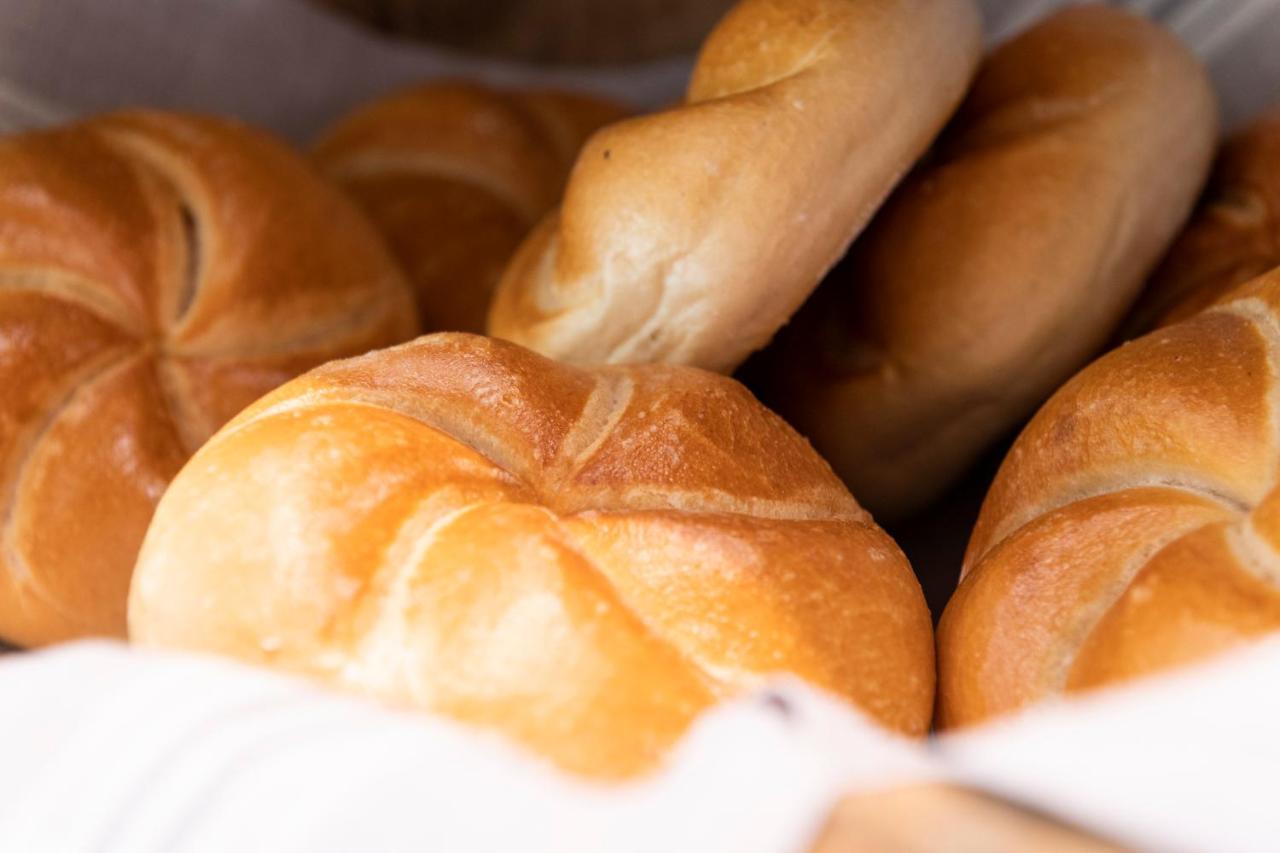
column 582, row 559
column 582, row 32
column 454, row 175
column 1004, row 262
column 1233, row 237
column 158, row 272
column 1135, row 524
column 690, row 235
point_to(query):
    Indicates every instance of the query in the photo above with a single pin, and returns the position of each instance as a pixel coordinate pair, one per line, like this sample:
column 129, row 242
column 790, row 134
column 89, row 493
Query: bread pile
column 1005, row 261
column 1133, row 525
column 578, row 532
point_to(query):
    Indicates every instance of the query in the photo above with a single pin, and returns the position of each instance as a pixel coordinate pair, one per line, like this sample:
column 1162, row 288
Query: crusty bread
column 1005, row 262
column 1233, row 237
column 454, row 175
column 691, row 235
column 1135, row 524
column 157, row 273
column 582, row 559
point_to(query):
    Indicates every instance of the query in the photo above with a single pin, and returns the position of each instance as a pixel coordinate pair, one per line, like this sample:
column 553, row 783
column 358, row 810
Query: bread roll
column 1233, row 236
column 158, row 272
column 454, row 175
column 582, row 559
column 691, row 235
column 1004, row 262
column 1135, row 524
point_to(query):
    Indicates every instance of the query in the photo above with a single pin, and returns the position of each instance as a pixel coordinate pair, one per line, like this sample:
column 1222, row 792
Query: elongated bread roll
column 1135, row 524
column 691, row 235
column 1005, row 262
column 582, row 559
column 454, row 175
column 158, row 272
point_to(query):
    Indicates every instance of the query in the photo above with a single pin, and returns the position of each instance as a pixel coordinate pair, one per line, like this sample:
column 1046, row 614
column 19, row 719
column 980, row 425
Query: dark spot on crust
column 607, row 152
column 778, row 703
column 1065, row 429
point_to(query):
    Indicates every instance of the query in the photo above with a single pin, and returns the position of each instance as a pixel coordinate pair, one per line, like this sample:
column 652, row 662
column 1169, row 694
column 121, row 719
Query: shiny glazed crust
column 583, row 559
column 1135, row 524
column 158, row 272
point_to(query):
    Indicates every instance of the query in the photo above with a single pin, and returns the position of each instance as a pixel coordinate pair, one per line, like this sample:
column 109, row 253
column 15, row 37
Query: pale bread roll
column 1005, row 262
column 691, row 235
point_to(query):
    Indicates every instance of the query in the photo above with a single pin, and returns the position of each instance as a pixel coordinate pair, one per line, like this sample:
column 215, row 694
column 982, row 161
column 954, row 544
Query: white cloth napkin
column 109, row 749
column 1187, row 761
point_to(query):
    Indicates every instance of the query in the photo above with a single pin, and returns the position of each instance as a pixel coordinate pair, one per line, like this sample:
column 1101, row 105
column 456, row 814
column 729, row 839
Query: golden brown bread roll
column 1006, row 261
column 454, row 175
column 158, row 272
column 1135, row 524
column 691, row 235
column 583, row 559
column 1233, row 237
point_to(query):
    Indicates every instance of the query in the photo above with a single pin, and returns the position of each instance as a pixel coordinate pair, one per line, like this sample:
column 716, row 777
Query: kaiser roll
column 1005, row 262
column 158, row 272
column 582, row 559
column 1135, row 524
column 454, row 175
column 1233, row 237
column 691, row 235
